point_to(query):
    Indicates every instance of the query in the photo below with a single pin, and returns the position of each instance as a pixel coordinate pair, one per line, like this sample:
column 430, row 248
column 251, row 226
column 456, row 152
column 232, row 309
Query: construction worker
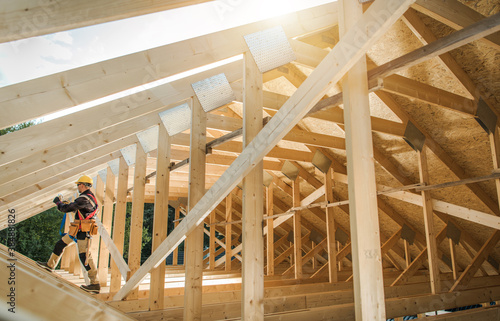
column 85, row 207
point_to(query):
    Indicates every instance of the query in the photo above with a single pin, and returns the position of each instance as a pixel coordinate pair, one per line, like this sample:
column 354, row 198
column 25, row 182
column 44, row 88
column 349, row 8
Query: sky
column 40, row 56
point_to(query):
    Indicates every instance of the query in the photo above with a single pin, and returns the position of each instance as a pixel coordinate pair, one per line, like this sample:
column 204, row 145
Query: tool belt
column 84, row 226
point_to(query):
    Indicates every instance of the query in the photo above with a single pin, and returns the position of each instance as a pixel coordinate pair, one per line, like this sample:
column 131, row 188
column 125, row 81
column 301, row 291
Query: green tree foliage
column 16, row 128
column 36, row 236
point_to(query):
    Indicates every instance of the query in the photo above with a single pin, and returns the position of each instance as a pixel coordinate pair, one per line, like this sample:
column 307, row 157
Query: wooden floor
column 314, row 299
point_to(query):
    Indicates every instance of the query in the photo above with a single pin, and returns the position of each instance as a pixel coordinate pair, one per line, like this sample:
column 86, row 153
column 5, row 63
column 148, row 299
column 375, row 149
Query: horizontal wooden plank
column 30, row 18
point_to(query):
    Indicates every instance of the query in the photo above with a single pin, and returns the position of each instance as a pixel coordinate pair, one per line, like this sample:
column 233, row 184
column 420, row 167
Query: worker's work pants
column 82, row 242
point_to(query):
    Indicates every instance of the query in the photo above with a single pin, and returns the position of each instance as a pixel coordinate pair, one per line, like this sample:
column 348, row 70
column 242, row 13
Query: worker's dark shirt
column 81, row 204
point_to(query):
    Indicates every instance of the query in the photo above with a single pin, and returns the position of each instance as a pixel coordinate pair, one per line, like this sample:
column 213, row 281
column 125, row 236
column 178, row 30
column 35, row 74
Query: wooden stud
column 160, row 221
column 270, row 230
column 137, row 216
column 175, row 258
column 407, row 253
column 297, row 230
column 119, row 222
column 211, row 252
column 193, row 246
column 430, row 233
column 454, row 265
column 365, row 233
column 252, row 292
column 229, row 219
column 95, row 241
column 107, row 218
column 330, row 228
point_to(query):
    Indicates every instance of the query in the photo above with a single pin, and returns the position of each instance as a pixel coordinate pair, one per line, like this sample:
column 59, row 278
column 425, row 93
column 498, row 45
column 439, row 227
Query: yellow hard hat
column 84, row 180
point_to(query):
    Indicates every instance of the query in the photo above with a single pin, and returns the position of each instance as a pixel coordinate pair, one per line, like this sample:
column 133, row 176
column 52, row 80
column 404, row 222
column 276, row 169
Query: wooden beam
column 451, row 209
column 413, row 21
column 137, row 215
column 410, row 88
column 212, row 242
column 430, row 233
column 369, row 299
column 34, row 18
column 330, row 228
column 456, row 15
column 160, row 220
column 457, row 39
column 270, row 229
column 119, row 222
column 229, row 219
column 94, row 246
column 297, row 230
column 193, row 247
column 331, row 70
column 109, row 196
column 453, row 256
column 252, row 287
column 176, row 251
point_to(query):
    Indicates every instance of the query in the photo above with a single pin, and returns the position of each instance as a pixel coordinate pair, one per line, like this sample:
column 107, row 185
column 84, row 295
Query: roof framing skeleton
column 376, row 221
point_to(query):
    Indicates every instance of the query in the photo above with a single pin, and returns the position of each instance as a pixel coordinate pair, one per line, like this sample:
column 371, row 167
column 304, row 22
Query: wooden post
column 297, row 230
column 212, row 241
column 407, row 253
column 160, row 222
column 137, row 216
column 193, row 245
column 270, row 230
column 430, row 233
column 119, row 222
column 330, row 228
column 107, row 218
column 175, row 258
column 94, row 246
column 365, row 234
column 252, row 294
column 229, row 218
column 453, row 259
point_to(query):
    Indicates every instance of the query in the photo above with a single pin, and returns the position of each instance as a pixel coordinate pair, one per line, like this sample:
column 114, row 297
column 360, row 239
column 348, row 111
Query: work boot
column 51, row 263
column 92, row 288
column 44, row 265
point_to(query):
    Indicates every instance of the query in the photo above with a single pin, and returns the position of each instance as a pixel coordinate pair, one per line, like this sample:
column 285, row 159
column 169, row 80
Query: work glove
column 57, row 200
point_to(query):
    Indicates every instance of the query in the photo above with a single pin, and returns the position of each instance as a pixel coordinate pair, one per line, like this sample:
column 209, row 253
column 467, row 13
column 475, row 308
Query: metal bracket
column 177, row 119
column 290, row 170
column 149, row 139
column 321, row 162
column 453, row 232
column 414, row 137
column 270, row 48
column 407, row 234
column 485, row 116
column 213, row 92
